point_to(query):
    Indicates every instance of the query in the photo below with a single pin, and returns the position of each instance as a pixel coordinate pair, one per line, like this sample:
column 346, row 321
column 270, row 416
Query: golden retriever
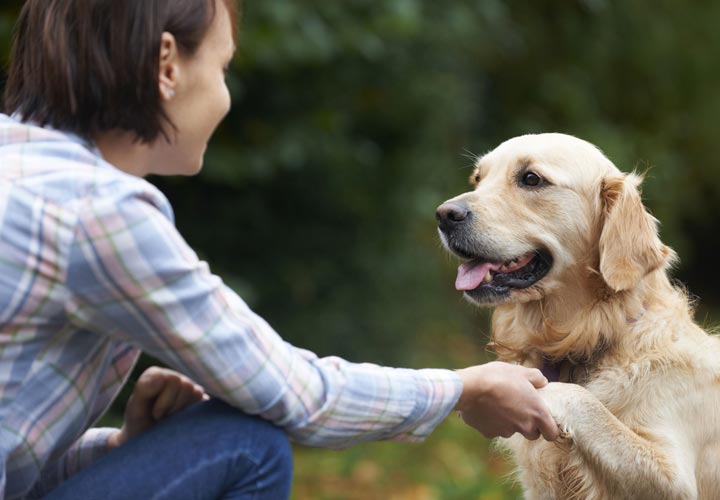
column 558, row 240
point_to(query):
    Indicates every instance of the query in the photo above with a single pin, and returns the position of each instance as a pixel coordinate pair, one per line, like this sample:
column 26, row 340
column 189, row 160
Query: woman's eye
column 531, row 179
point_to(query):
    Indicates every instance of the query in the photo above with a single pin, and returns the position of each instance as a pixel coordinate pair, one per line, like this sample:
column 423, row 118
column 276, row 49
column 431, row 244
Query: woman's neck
column 124, row 151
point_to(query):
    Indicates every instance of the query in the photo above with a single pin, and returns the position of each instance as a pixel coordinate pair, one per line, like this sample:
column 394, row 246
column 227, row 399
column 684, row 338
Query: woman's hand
column 159, row 393
column 500, row 399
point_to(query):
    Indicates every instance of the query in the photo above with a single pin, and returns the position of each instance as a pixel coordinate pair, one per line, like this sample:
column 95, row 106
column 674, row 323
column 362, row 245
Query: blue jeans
column 208, row 451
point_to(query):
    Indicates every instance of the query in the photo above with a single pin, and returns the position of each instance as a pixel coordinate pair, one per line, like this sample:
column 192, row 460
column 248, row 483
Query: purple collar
column 551, row 371
column 566, row 370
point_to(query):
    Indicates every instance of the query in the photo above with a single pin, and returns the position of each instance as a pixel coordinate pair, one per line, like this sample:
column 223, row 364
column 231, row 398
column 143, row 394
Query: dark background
column 353, row 120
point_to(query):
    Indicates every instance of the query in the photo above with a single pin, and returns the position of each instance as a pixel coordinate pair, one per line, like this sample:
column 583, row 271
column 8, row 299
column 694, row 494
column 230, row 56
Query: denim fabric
column 208, row 451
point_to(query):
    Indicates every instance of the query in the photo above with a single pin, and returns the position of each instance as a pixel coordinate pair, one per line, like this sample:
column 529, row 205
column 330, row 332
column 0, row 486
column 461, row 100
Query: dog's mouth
column 486, row 281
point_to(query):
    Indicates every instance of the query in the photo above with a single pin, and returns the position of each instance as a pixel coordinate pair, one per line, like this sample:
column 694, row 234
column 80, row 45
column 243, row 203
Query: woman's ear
column 629, row 244
column 169, row 67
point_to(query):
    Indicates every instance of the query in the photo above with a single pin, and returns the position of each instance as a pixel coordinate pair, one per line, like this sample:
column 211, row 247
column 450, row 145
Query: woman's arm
column 131, row 276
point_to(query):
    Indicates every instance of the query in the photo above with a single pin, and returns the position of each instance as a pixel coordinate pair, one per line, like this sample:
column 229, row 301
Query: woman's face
column 196, row 98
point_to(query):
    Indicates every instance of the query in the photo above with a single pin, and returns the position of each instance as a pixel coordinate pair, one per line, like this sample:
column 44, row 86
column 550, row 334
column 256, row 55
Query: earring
column 170, row 93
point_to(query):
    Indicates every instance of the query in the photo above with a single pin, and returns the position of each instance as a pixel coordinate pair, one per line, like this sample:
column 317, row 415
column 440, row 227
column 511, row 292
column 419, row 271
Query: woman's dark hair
column 89, row 66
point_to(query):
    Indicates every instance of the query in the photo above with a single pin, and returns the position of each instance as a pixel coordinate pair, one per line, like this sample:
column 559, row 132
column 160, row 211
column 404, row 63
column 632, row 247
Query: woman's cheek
column 228, row 100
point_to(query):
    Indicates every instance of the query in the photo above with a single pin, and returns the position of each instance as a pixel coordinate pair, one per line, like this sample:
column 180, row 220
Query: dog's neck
column 574, row 329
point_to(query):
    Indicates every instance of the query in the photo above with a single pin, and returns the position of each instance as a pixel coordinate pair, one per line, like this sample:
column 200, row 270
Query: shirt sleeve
column 85, row 451
column 93, row 444
column 132, row 276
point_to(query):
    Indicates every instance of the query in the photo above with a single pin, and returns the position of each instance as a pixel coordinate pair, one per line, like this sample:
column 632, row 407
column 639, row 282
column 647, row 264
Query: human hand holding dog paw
column 159, row 393
column 500, row 399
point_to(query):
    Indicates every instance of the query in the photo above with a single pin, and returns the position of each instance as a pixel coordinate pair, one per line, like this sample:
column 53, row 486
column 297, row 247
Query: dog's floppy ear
column 629, row 244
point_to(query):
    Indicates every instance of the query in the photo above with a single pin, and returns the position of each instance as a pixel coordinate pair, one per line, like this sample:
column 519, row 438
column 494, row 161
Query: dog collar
column 551, row 371
column 565, row 370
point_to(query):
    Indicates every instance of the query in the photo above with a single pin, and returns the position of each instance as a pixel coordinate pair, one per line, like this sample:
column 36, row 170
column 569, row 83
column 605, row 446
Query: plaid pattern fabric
column 92, row 270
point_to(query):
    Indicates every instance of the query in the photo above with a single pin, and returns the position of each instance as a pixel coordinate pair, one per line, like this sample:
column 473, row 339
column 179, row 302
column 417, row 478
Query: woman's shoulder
column 64, row 169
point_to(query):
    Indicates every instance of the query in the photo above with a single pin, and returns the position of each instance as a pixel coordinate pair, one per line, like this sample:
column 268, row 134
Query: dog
column 556, row 238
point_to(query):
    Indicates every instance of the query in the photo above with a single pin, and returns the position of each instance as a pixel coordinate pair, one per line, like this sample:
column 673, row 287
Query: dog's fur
column 644, row 420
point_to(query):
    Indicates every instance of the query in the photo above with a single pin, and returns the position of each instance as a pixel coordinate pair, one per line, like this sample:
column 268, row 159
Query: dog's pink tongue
column 471, row 274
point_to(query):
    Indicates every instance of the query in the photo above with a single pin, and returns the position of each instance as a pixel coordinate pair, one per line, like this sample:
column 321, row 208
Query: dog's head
column 545, row 210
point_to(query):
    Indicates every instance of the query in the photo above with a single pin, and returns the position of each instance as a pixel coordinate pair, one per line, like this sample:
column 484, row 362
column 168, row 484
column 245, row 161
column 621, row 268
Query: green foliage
column 352, row 121
column 455, row 463
column 348, row 129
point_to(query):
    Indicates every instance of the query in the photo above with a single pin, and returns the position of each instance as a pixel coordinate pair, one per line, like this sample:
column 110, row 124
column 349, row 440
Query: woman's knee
column 218, row 420
column 253, row 440
column 217, row 417
column 209, row 450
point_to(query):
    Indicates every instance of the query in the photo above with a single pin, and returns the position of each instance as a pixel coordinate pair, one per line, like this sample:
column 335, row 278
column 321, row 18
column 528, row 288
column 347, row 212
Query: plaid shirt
column 92, row 270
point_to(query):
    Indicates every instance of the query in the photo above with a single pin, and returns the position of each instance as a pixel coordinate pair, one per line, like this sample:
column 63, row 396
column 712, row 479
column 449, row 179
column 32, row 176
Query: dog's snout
column 451, row 214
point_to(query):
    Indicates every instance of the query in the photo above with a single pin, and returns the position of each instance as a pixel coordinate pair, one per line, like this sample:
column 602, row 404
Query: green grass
column 454, row 463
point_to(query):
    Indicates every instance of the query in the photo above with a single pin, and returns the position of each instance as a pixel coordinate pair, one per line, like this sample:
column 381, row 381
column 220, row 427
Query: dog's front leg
column 633, row 466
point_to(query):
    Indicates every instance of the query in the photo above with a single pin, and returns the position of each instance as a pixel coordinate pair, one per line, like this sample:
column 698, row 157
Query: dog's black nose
column 451, row 214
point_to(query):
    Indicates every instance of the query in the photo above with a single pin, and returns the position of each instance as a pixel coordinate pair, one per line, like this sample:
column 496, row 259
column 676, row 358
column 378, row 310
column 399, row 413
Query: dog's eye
column 531, row 179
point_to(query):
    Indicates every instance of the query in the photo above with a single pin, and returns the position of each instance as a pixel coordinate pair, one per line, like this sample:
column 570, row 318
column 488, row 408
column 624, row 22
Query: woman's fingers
column 178, row 392
column 189, row 394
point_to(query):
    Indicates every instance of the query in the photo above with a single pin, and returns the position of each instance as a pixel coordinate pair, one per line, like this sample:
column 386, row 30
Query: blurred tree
column 354, row 119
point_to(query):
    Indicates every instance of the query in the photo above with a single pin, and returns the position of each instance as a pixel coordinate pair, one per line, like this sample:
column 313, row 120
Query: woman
column 92, row 271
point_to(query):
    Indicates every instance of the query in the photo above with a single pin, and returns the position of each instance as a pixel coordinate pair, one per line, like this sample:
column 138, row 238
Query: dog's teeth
column 503, row 269
column 488, row 277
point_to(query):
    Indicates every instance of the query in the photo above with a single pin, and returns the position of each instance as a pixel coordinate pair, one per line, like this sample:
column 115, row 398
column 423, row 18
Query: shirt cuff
column 92, row 446
column 438, row 391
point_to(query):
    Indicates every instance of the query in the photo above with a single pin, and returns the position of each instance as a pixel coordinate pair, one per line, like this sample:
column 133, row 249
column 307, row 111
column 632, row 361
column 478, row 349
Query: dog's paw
column 566, row 402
